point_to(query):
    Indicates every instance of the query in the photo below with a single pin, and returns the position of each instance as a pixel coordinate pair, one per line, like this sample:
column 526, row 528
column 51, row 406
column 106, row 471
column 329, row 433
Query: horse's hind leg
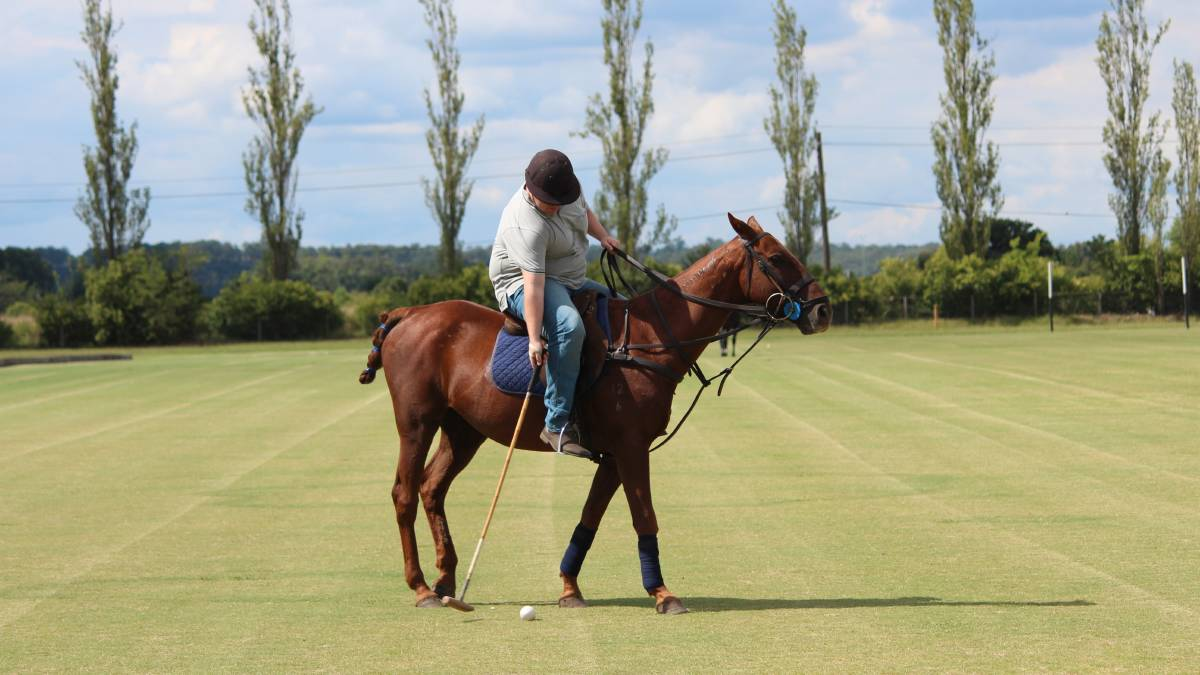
column 604, row 486
column 415, row 436
column 459, row 443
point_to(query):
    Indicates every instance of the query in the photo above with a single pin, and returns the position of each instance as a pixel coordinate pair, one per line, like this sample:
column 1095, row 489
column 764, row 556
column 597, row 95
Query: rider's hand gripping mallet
column 460, row 603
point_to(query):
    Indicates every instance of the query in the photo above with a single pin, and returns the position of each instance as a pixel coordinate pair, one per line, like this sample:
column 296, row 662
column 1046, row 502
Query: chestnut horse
column 434, row 356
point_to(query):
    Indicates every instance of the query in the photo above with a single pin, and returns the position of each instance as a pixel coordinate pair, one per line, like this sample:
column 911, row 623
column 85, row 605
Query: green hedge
column 64, row 321
column 136, row 300
column 252, row 308
column 472, row 283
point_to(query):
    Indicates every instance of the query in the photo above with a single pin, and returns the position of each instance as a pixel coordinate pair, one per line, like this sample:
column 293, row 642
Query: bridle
column 783, row 305
column 791, row 304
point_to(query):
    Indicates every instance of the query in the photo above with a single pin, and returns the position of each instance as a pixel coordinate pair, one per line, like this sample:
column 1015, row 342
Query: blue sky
column 530, row 67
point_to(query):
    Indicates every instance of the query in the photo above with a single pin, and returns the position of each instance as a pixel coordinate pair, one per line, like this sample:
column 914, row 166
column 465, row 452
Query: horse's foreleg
column 415, row 438
column 635, row 476
column 456, row 449
column 604, row 486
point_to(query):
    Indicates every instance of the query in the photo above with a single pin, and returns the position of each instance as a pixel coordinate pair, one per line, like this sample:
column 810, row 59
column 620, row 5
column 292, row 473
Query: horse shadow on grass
column 713, row 604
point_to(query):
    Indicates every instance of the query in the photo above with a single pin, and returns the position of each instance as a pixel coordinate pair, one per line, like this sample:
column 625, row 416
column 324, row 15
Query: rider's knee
column 570, row 328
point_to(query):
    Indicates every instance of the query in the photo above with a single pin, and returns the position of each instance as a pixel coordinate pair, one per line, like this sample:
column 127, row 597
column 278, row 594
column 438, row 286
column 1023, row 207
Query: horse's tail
column 387, row 321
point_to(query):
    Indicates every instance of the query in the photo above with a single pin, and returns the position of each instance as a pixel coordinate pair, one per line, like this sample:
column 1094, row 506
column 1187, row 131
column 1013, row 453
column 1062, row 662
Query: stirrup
column 556, row 444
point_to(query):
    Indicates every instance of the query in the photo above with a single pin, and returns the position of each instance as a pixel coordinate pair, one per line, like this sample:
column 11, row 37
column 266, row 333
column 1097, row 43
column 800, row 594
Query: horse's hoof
column 429, row 602
column 671, row 605
column 572, row 602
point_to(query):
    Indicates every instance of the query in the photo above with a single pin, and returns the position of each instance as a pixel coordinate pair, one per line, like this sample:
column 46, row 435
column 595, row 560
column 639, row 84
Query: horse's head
column 778, row 280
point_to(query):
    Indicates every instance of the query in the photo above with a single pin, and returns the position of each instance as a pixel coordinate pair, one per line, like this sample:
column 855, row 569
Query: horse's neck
column 715, row 277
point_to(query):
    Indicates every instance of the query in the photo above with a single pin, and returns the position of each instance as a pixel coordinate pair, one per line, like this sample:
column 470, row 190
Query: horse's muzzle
column 816, row 319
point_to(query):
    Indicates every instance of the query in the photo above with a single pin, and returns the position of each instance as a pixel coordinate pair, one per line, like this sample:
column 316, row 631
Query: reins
column 788, row 308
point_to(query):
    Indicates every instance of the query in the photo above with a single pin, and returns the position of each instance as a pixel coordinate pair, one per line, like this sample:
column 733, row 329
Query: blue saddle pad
column 510, row 365
column 510, row 357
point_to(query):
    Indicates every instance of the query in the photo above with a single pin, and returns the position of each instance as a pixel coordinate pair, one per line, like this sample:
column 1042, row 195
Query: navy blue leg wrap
column 648, row 552
column 581, row 541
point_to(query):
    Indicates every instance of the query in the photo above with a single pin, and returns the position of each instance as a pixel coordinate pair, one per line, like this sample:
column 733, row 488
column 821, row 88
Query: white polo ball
column 527, row 613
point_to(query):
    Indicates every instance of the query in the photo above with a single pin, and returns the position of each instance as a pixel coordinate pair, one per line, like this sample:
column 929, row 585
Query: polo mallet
column 460, row 602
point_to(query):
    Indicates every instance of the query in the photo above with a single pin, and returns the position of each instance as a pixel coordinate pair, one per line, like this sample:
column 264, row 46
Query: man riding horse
column 538, row 261
column 433, row 356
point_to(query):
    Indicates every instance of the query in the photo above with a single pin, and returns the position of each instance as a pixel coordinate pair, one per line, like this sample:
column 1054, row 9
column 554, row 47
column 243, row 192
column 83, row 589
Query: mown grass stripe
column 1053, row 383
column 137, row 419
column 1022, row 426
column 118, row 379
column 792, row 554
column 85, row 568
column 1160, row 513
column 1183, row 615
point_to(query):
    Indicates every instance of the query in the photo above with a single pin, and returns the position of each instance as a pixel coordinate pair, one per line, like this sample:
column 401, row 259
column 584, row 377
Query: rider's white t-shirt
column 532, row 241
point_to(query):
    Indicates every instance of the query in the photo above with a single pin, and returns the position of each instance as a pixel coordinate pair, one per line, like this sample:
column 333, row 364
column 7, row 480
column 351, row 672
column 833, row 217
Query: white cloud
column 381, row 129
column 127, row 9
column 525, row 19
column 772, row 190
column 887, row 72
column 191, row 113
column 203, row 63
column 531, row 66
column 888, row 225
column 491, row 196
column 688, row 112
column 20, row 42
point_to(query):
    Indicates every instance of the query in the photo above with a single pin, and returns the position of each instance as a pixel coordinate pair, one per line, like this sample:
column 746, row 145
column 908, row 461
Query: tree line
column 965, row 169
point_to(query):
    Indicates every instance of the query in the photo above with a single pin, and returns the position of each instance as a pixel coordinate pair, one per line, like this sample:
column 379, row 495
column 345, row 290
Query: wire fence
column 1094, row 305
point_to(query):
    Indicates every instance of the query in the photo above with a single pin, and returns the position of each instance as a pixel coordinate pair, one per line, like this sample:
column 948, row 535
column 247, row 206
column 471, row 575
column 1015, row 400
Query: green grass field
column 866, row 500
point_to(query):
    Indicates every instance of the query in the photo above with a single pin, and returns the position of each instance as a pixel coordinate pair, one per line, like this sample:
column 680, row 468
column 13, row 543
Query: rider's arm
column 596, row 229
column 535, row 291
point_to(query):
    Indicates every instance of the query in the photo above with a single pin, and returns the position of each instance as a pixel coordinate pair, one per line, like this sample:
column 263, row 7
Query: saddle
column 510, row 367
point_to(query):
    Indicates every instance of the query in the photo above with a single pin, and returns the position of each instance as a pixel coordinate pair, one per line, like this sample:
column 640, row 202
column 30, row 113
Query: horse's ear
column 744, row 230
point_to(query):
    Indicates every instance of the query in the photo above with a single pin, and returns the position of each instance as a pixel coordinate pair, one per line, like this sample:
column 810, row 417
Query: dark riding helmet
column 550, row 178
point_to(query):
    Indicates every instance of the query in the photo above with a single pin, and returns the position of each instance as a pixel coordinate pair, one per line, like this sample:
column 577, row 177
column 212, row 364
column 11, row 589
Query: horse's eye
column 776, row 259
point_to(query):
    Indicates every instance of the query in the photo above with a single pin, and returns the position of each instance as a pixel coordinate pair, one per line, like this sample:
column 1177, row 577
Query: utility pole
column 824, row 213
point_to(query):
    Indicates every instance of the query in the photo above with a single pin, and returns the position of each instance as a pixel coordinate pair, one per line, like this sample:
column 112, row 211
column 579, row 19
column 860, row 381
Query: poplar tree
column 273, row 102
column 1185, row 233
column 965, row 166
column 1134, row 159
column 619, row 123
column 791, row 131
column 450, row 148
column 115, row 216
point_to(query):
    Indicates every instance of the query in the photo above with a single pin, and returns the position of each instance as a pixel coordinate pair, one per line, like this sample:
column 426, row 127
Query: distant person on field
column 733, row 322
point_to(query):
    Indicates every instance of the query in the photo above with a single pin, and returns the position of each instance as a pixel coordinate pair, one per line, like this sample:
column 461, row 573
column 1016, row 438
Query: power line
column 910, row 127
column 1002, row 144
column 373, row 186
column 718, row 214
column 492, row 160
column 377, row 169
column 914, row 207
column 686, row 158
column 936, row 208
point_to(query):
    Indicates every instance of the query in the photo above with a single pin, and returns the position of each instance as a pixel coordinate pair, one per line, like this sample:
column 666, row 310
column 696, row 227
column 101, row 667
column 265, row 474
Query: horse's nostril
column 821, row 317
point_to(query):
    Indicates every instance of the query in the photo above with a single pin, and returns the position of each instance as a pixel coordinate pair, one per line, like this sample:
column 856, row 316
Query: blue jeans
column 564, row 332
